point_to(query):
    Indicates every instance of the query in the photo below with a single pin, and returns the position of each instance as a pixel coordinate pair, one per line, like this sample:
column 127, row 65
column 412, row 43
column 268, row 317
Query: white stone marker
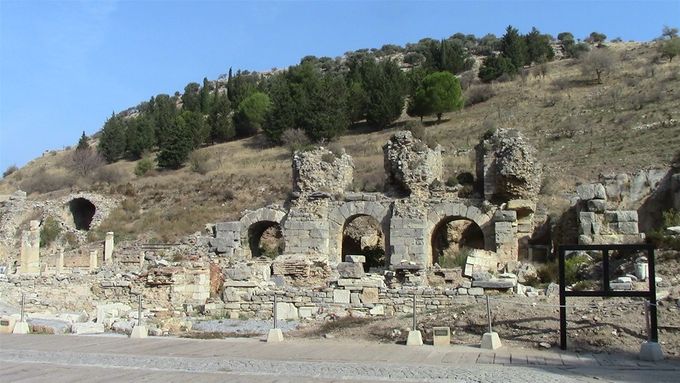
column 108, row 248
column 415, row 338
column 441, row 336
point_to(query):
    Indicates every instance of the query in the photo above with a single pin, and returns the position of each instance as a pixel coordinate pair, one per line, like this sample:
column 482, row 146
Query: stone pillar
column 60, row 262
column 30, row 249
column 93, row 260
column 108, row 248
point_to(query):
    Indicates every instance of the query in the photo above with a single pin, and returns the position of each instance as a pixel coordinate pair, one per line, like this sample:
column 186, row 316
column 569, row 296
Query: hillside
column 581, row 129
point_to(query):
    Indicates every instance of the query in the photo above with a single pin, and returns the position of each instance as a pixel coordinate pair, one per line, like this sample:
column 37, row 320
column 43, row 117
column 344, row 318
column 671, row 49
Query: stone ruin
column 316, row 273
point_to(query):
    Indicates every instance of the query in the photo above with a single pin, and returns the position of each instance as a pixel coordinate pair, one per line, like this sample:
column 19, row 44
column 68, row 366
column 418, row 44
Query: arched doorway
column 363, row 235
column 265, row 238
column 82, row 211
column 451, row 240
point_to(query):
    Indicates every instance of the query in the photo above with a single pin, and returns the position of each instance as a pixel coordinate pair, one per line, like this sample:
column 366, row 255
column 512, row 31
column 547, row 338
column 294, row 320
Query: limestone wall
column 599, row 225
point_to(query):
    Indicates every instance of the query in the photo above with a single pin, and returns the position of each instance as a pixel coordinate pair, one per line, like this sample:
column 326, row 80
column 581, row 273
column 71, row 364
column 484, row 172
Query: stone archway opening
column 362, row 235
column 265, row 239
column 82, row 211
column 452, row 238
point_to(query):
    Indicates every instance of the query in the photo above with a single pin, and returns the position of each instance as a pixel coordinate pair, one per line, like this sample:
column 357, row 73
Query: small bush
column 71, row 239
column 110, row 175
column 43, row 182
column 49, row 231
column 417, row 129
column 198, row 162
column 10, row 169
column 467, row 79
column 549, row 273
column 143, row 166
column 479, row 93
column 295, row 139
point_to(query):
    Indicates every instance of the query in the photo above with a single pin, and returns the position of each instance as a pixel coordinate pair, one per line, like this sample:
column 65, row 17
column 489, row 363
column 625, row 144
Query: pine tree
column 219, row 119
column 282, row 115
column 176, row 146
column 83, row 143
column 112, row 141
column 140, row 136
column 514, row 48
column 439, row 93
column 251, row 114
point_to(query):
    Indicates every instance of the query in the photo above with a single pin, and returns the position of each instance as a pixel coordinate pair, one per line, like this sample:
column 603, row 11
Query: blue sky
column 66, row 65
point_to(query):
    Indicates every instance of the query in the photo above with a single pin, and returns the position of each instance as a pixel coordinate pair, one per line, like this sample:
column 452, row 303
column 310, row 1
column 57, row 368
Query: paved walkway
column 53, row 358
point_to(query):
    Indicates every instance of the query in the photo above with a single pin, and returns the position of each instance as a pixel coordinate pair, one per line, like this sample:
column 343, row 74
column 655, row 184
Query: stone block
column 7, row 324
column 651, row 352
column 600, row 192
column 341, row 296
column 350, row 270
column 377, row 310
column 355, row 258
column 415, row 338
column 286, row 311
column 597, row 205
column 621, row 216
column 21, row 328
column 307, row 312
column 275, row 335
column 624, row 227
column 139, row 332
column 354, row 298
column 586, row 191
column 505, row 216
column 495, row 284
column 369, row 295
column 240, row 273
column 475, row 291
column 490, row 341
column 441, row 336
column 462, row 291
column 522, row 206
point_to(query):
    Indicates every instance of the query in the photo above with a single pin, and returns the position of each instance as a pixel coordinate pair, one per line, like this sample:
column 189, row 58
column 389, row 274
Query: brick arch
column 256, row 221
column 344, row 213
column 452, row 211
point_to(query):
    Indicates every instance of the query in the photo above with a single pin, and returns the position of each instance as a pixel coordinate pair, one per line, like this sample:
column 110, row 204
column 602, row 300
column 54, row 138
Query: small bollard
column 650, row 351
column 139, row 331
column 415, row 338
column 490, row 340
column 21, row 328
column 275, row 334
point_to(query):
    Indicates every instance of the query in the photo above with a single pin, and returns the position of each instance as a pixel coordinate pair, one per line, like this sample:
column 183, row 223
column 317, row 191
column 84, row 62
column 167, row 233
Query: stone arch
column 82, row 211
column 348, row 211
column 449, row 211
column 254, row 224
column 466, row 234
column 375, row 253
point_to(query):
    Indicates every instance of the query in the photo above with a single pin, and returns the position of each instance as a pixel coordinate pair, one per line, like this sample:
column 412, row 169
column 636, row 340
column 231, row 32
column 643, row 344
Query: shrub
column 10, row 169
column 49, row 231
column 295, row 139
column 480, row 93
column 549, row 272
column 452, row 181
column 143, row 166
column 43, row 182
column 198, row 162
column 109, row 175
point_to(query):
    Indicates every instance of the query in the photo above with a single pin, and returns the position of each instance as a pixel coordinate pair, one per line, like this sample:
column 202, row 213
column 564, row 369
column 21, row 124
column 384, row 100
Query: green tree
column 356, row 101
column 83, row 143
column 251, row 114
column 538, row 45
column 199, row 129
column 112, row 141
column 221, row 127
column 328, row 117
column 494, row 66
column 140, row 136
column 164, row 112
column 670, row 48
column 204, row 97
column 514, row 47
column 191, row 100
column 596, row 38
column 385, row 89
column 176, row 147
column 415, row 106
column 283, row 112
column 488, row 44
column 241, row 86
column 669, row 32
column 440, row 93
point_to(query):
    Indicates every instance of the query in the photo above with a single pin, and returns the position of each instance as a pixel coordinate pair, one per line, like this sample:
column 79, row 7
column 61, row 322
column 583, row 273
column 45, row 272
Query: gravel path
column 241, row 326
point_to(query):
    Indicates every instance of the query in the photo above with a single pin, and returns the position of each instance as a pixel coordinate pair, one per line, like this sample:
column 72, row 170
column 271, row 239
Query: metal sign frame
column 607, row 292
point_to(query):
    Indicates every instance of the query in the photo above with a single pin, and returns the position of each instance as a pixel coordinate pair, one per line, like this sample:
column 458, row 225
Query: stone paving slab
column 327, row 360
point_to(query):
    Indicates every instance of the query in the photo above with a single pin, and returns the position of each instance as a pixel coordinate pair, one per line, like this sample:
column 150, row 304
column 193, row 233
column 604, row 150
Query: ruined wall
column 320, row 170
column 599, row 224
column 410, row 165
column 507, row 167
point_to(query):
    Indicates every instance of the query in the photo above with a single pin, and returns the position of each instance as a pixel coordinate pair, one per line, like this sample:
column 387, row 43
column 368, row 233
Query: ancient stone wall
column 410, row 165
column 599, row 225
column 507, row 167
column 321, row 170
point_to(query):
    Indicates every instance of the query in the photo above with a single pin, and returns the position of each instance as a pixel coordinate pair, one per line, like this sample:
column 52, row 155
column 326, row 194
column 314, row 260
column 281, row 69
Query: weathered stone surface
column 585, row 191
column 621, row 216
column 240, row 273
column 523, row 207
column 350, row 270
column 341, row 296
column 410, row 165
column 321, row 170
column 597, row 205
column 476, row 291
column 495, row 284
column 286, row 311
column 505, row 216
column 507, row 166
column 369, row 295
column 87, row 328
column 355, row 258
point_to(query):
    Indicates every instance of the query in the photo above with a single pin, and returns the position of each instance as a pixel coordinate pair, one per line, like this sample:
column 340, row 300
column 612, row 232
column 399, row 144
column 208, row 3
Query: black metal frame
column 607, row 292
